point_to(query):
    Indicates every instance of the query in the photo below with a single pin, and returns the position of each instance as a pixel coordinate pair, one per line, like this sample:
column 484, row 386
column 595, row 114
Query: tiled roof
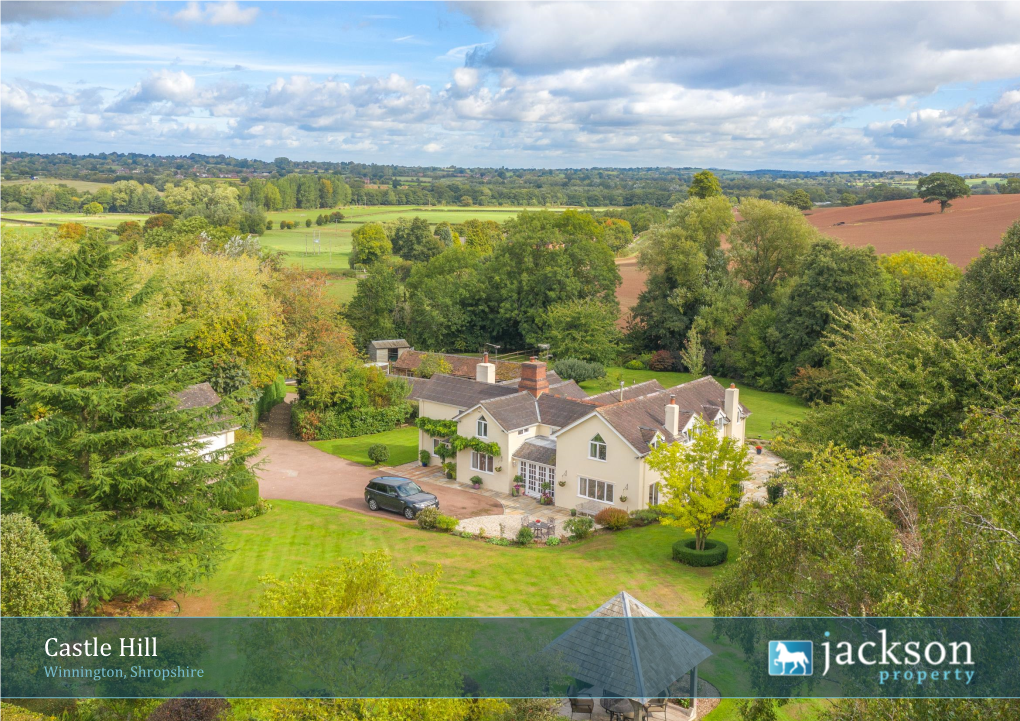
column 540, row 449
column 568, row 389
column 459, row 392
column 395, row 343
column 558, row 412
column 200, row 395
column 633, row 419
column 461, row 365
column 550, row 376
column 627, row 649
column 521, row 410
column 629, row 392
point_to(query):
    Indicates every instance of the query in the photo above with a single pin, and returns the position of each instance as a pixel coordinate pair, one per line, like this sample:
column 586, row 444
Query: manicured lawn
column 483, row 580
column 767, row 409
column 402, row 442
column 806, row 710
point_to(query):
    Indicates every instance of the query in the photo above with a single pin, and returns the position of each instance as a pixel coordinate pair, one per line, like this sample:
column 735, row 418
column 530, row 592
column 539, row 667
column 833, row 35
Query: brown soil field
column 968, row 225
column 628, row 292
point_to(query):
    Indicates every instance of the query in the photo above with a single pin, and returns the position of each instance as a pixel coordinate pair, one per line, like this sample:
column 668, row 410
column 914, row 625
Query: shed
column 387, row 351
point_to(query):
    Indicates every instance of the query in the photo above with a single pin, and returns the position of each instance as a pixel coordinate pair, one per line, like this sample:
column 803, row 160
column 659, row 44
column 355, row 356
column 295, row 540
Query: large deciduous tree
column 582, row 329
column 369, row 245
column 768, row 245
column 942, row 188
column 94, row 448
column 372, row 309
column 704, row 185
column 700, row 480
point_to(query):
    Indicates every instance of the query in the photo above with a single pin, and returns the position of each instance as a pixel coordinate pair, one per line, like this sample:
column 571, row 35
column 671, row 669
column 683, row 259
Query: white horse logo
column 784, row 656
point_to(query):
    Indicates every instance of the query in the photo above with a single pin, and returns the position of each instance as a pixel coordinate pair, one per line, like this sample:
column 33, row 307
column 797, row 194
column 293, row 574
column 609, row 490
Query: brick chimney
column 485, row 372
column 673, row 416
column 533, row 378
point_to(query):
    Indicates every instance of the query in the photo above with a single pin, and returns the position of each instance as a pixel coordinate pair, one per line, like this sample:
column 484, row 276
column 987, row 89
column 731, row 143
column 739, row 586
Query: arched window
column 597, row 448
column 483, row 428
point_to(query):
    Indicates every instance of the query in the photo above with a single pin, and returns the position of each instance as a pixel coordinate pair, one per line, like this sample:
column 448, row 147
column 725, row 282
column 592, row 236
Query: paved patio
column 763, row 466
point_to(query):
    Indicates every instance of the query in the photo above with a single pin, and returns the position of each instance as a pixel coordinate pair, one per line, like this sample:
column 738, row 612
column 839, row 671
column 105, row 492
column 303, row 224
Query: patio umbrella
column 628, row 650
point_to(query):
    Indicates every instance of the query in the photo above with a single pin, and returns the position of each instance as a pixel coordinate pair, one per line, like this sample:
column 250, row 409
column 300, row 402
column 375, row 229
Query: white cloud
column 217, row 13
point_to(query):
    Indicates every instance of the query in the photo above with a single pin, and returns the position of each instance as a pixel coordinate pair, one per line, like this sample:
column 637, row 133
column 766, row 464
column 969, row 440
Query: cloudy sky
column 814, row 86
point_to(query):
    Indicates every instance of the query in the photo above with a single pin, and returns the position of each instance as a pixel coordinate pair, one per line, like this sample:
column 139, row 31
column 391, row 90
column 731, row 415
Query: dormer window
column 597, row 448
column 482, row 430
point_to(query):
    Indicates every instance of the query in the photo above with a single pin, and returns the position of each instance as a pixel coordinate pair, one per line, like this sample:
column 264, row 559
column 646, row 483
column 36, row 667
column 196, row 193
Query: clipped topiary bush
column 634, row 365
column 31, row 580
column 378, row 453
column 428, row 518
column 578, row 370
column 714, row 554
column 615, row 519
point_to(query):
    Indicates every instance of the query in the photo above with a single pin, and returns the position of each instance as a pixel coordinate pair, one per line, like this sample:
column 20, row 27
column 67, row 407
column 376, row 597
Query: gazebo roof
column 638, row 656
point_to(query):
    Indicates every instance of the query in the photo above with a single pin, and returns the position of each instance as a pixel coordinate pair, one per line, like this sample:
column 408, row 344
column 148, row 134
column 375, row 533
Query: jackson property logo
column 791, row 658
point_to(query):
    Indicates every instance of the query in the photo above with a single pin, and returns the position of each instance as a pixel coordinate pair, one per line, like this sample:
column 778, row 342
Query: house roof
column 395, row 343
column 460, row 392
column 550, row 377
column 460, row 365
column 638, row 418
column 629, row 392
column 200, row 395
column 522, row 409
column 627, row 649
column 540, row 449
column 568, row 389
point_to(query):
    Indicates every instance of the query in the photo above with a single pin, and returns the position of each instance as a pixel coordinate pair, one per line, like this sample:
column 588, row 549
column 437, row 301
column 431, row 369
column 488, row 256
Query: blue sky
column 816, row 86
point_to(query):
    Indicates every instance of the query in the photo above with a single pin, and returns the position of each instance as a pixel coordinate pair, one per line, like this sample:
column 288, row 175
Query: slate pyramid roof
column 627, row 649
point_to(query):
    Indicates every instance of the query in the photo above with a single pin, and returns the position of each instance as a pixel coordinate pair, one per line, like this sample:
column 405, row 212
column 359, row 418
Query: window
column 597, row 448
column 482, row 430
column 653, row 494
column 522, row 431
column 393, row 355
column 481, row 462
column 595, row 490
column 436, row 442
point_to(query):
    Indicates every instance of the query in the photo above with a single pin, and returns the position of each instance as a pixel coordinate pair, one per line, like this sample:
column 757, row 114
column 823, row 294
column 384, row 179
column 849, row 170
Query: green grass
column 342, row 289
column 482, row 580
column 402, row 442
column 767, row 409
column 805, row 710
column 105, row 220
column 89, row 185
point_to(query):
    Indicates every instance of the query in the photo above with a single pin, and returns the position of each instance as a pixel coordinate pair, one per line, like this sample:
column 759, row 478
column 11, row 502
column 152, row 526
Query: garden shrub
column 634, row 365
column 775, row 490
column 31, row 580
column 244, row 514
column 662, row 360
column 552, row 541
column 524, row 536
column 234, row 496
column 714, row 554
column 615, row 519
column 579, row 370
column 378, row 453
column 644, row 517
column 446, row 523
column 191, row 709
column 424, row 456
column 579, row 527
column 499, row 541
column 428, row 518
column 272, row 395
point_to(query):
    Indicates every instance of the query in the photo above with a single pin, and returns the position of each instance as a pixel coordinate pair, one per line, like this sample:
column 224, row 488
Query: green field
column 88, row 185
column 402, row 442
column 767, row 409
column 104, row 220
column 483, row 580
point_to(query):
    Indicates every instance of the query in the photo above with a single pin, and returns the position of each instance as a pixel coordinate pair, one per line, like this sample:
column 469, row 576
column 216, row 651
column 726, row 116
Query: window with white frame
column 436, row 442
column 595, row 489
column 481, row 462
column 597, row 448
column 482, row 428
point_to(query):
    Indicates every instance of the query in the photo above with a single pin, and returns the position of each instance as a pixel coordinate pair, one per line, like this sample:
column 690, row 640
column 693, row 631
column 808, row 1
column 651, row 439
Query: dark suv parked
column 398, row 494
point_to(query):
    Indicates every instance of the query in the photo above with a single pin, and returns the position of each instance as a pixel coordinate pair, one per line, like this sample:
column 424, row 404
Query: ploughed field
column 968, row 225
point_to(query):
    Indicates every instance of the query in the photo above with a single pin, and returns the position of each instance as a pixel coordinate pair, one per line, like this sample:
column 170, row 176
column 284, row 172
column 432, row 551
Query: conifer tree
column 94, row 448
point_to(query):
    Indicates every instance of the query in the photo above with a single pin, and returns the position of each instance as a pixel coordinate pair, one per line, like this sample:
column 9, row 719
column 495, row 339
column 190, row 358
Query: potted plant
column 573, row 513
column 623, row 499
column 424, row 456
column 757, row 449
column 476, row 482
column 515, row 491
column 562, row 484
column 499, row 469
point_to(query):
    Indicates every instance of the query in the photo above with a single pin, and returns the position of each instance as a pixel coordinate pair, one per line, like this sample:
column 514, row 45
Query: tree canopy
column 942, row 188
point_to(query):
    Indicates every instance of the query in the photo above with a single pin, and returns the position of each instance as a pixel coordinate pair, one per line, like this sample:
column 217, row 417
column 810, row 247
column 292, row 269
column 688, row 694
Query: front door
column 535, row 475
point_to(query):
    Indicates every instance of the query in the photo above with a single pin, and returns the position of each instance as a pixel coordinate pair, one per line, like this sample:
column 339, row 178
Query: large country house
column 587, row 452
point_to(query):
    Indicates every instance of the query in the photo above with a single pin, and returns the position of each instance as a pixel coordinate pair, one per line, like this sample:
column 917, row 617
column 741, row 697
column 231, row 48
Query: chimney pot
column 485, row 357
column 533, row 378
column 733, row 385
column 672, row 400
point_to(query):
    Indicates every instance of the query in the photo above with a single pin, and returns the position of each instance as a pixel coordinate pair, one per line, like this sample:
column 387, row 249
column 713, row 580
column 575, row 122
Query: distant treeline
column 299, row 183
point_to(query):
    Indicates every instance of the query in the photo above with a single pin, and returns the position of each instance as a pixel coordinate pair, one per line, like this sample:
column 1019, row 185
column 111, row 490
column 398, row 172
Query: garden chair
column 656, row 705
column 579, row 704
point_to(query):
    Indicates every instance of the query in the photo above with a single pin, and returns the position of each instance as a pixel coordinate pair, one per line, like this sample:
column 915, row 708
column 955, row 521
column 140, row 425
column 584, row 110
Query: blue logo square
column 791, row 658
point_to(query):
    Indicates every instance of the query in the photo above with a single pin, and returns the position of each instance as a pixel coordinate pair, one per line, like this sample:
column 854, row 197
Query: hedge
column 579, row 370
column 311, row 425
column 235, row 497
column 272, row 394
column 713, row 555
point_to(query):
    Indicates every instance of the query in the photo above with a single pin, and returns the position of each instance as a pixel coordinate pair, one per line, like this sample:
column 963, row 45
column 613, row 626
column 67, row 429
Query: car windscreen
column 408, row 489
